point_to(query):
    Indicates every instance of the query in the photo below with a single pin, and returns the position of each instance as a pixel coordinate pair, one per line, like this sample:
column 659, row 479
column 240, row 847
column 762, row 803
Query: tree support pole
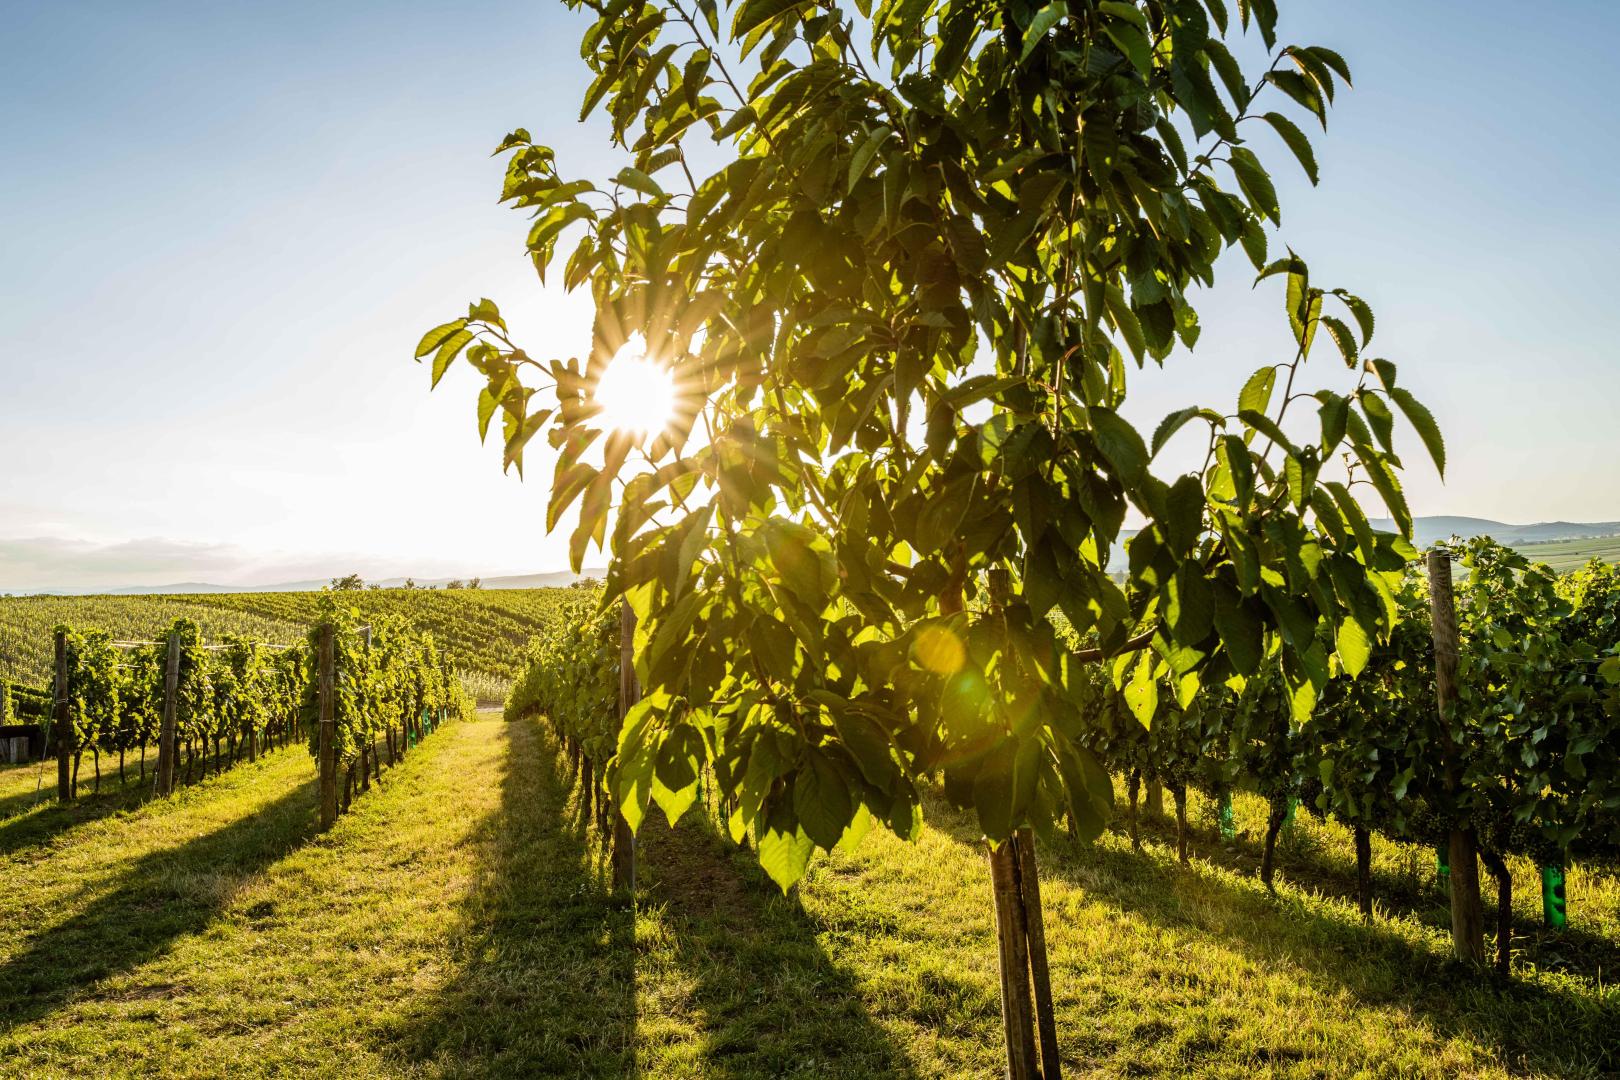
column 1012, row 940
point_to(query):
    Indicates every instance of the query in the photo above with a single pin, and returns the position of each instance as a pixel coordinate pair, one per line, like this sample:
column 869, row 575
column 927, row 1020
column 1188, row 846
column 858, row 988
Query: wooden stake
column 168, row 752
column 325, row 689
column 1467, row 913
column 1017, row 1008
column 1029, row 884
column 624, row 841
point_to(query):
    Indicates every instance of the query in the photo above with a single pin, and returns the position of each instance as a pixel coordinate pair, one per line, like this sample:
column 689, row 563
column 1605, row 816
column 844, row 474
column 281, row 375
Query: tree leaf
column 636, row 180
column 1297, row 142
column 1421, row 419
column 1044, row 20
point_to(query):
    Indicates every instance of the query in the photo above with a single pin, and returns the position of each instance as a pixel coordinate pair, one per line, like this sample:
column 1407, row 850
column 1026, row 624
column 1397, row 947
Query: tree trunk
column 1179, row 793
column 1467, row 913
column 1268, row 857
column 1155, row 797
column 1364, row 871
column 95, row 754
column 73, row 785
column 120, row 766
column 143, row 764
column 587, row 787
column 1504, row 910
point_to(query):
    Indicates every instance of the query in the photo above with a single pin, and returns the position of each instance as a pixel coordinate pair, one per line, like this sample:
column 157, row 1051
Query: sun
column 636, row 394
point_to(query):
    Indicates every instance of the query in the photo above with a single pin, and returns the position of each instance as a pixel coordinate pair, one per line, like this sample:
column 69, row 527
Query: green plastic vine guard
column 1442, row 868
column 1288, row 815
column 1228, row 822
column 1553, row 911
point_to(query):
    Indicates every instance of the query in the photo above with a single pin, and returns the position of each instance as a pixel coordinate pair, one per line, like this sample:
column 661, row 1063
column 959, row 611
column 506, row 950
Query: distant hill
column 1428, row 530
column 192, row 588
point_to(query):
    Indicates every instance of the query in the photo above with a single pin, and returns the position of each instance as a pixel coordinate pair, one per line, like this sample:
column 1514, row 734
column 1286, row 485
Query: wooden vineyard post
column 325, row 689
column 624, row 841
column 166, row 732
column 1467, row 913
column 62, row 722
column 367, row 747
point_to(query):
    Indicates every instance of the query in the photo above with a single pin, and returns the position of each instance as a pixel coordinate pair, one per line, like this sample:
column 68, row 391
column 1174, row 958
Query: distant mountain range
column 1428, row 530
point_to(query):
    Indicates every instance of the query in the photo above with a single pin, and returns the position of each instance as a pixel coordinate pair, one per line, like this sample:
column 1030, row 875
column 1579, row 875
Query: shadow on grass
column 1314, row 867
column 769, row 999
column 34, row 818
column 1529, row 1026
column 163, row 896
column 547, row 976
column 545, row 980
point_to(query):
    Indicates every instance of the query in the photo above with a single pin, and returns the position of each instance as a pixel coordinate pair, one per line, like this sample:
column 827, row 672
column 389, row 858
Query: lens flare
column 636, row 394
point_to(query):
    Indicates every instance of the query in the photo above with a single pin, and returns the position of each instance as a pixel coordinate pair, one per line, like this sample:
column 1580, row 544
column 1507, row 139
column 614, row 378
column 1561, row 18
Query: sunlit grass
column 457, row 923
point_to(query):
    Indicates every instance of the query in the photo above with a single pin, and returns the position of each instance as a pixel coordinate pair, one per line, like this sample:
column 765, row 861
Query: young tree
column 901, row 308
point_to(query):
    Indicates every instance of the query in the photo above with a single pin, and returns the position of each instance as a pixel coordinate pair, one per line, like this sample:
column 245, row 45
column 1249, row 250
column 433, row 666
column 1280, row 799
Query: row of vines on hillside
column 211, row 704
column 230, row 700
column 384, row 681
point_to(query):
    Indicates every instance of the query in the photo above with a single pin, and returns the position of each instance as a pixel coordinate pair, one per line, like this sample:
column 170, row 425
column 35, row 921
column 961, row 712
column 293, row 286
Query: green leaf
column 756, row 13
column 449, row 349
column 1044, row 20
column 1361, row 311
column 862, row 157
column 1302, row 90
column 1120, row 444
column 1335, row 416
column 821, row 801
column 1241, row 631
column 1133, row 43
column 785, row 856
column 1343, row 338
column 1422, row 420
column 1353, row 644
column 636, row 180
column 437, row 336
column 1256, row 393
column 1256, row 183
column 1142, row 692
column 1296, row 141
column 1170, row 425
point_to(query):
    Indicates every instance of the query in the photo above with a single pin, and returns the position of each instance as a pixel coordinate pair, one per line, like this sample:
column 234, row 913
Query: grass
column 456, row 923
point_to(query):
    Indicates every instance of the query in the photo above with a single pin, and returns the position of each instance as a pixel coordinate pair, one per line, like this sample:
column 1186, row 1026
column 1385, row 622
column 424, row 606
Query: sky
column 225, row 225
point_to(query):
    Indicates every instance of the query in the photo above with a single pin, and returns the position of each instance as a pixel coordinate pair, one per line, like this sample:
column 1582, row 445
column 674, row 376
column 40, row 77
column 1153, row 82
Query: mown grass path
column 456, row 924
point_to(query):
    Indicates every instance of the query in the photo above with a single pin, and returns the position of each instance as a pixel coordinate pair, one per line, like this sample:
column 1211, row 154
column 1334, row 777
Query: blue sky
column 226, row 224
